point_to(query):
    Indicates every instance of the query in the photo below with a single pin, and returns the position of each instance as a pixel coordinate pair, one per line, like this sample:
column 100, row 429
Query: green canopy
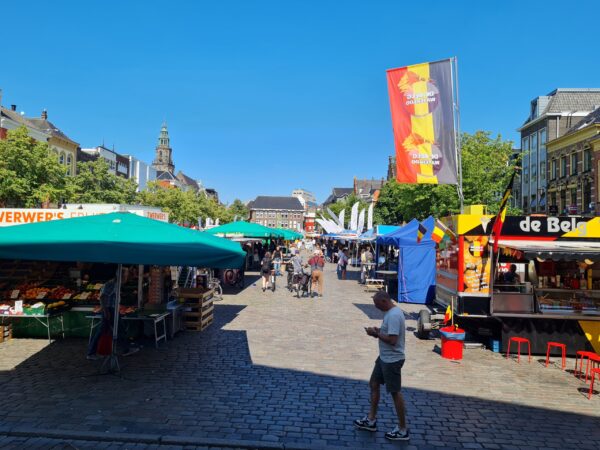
column 245, row 229
column 121, row 238
column 290, row 235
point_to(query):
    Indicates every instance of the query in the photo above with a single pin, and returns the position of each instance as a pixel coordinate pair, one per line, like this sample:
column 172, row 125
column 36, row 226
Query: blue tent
column 416, row 261
column 378, row 230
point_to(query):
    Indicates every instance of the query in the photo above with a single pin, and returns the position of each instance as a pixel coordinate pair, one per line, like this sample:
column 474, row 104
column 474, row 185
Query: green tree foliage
column 30, row 174
column 182, row 206
column 347, row 204
column 94, row 183
column 237, row 208
column 487, row 168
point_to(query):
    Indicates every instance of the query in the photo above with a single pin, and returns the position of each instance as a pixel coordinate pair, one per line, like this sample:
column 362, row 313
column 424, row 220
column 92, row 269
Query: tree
column 30, row 174
column 487, row 167
column 94, row 183
column 347, row 204
column 237, row 208
column 182, row 206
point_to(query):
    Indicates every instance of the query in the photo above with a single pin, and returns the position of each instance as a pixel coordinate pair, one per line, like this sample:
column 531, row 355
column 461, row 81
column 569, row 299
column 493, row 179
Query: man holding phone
column 388, row 367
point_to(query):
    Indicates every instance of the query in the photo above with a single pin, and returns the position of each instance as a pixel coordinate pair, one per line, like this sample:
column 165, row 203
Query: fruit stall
column 53, row 271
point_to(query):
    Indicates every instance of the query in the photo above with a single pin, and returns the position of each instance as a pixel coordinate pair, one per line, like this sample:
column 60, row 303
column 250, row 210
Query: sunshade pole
column 140, row 285
column 114, row 360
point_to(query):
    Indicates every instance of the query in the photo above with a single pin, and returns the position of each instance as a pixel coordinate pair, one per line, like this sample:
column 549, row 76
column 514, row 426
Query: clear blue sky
column 264, row 97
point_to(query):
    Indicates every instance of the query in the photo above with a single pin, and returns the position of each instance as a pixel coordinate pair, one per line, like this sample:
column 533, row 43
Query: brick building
column 277, row 212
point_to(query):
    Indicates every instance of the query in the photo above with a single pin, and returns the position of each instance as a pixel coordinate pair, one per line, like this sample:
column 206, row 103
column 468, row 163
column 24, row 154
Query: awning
column 120, row 238
column 555, row 250
column 244, row 229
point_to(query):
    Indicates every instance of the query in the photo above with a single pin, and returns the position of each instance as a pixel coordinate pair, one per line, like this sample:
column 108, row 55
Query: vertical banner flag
column 422, row 104
column 421, row 231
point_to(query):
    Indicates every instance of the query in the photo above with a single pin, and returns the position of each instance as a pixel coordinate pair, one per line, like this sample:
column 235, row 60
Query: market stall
column 414, row 264
column 542, row 283
column 86, row 242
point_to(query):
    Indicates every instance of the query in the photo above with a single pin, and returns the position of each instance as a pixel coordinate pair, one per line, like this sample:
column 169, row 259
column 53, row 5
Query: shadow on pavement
column 206, row 385
column 370, row 311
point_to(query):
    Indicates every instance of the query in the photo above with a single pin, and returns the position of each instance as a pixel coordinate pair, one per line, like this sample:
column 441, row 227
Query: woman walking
column 265, row 270
column 342, row 264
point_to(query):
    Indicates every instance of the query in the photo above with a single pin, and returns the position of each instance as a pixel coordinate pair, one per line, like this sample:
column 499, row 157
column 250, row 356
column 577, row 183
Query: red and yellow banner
column 421, row 100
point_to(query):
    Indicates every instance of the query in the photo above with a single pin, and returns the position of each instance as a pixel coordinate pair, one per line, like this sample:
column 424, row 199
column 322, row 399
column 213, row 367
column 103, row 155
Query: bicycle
column 215, row 285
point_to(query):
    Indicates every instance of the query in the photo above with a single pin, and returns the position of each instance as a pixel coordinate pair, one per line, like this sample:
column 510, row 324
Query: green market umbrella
column 290, row 235
column 245, row 229
column 121, row 238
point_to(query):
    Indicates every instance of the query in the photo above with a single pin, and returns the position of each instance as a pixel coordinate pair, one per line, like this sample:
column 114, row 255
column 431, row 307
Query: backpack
column 266, row 265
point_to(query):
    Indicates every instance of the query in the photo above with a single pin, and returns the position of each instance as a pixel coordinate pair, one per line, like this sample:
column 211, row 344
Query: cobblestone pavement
column 274, row 371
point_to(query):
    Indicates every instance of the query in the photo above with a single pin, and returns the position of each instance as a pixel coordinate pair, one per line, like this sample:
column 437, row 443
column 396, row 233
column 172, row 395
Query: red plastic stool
column 593, row 359
column 519, row 341
column 593, row 374
column 579, row 357
column 563, row 347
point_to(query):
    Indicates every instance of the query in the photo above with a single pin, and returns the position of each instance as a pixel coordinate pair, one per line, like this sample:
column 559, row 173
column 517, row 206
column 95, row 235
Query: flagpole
column 457, row 138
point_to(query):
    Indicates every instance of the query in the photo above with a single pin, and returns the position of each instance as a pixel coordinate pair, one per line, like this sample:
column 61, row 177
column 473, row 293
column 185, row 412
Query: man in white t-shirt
column 388, row 367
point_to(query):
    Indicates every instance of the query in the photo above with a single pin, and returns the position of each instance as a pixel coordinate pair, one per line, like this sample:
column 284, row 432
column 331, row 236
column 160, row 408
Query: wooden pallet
column 5, row 332
column 198, row 323
column 190, row 294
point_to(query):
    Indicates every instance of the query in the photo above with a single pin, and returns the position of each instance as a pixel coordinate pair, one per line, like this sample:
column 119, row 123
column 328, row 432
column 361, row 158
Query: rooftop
column 268, row 202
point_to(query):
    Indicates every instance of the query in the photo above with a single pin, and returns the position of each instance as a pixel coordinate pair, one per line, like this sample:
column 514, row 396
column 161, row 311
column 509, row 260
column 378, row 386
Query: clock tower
column 163, row 160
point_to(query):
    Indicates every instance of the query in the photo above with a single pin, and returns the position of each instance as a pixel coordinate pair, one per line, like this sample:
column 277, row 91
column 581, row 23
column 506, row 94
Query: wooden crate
column 198, row 313
column 5, row 332
column 190, row 294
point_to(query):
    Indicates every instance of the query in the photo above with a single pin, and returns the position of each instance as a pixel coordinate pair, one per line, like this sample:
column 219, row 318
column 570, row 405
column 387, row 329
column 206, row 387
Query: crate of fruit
column 37, row 309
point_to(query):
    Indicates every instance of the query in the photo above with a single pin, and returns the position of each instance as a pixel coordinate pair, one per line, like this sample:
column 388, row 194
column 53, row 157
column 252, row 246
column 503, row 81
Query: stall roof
column 244, row 229
column 554, row 249
column 121, row 238
column 407, row 235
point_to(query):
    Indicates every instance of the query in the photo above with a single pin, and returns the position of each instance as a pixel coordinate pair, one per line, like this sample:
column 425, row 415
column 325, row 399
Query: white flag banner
column 326, row 225
column 341, row 219
column 361, row 221
column 334, row 217
column 370, row 217
column 354, row 217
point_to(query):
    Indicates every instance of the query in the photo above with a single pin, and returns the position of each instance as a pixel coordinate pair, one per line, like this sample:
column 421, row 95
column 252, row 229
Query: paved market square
column 274, row 371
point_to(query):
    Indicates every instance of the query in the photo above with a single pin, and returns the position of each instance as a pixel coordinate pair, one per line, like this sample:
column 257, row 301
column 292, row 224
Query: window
column 69, row 165
column 573, row 164
column 61, row 158
column 553, row 170
column 524, row 202
column 542, row 170
column 574, row 197
column 563, row 201
column 563, row 166
column 284, row 215
column 543, row 143
column 533, row 172
column 587, row 159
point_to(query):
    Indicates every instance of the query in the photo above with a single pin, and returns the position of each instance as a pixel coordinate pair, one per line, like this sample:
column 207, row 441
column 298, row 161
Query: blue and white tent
column 416, row 261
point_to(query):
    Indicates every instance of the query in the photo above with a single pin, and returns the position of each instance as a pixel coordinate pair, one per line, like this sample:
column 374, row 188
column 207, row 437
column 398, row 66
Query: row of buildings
column 300, row 210
column 560, row 153
column 69, row 152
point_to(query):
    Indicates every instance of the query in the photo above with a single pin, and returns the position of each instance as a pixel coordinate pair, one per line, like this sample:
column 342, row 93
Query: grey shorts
column 389, row 374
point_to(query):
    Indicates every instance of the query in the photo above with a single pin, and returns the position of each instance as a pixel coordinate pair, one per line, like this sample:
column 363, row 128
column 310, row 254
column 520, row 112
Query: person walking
column 277, row 257
column 317, row 262
column 342, row 264
column 388, row 367
column 265, row 270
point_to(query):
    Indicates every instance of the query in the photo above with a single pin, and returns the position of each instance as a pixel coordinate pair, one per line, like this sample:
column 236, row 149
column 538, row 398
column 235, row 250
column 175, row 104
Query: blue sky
column 264, row 97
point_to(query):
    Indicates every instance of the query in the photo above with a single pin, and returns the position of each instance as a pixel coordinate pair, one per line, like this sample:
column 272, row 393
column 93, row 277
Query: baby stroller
column 303, row 282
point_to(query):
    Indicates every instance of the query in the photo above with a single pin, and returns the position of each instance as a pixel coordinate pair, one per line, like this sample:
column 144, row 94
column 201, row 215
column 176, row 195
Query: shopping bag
column 105, row 344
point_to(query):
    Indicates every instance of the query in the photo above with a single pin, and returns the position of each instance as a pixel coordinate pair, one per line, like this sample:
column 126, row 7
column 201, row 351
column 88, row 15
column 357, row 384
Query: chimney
column 13, row 107
column 45, row 114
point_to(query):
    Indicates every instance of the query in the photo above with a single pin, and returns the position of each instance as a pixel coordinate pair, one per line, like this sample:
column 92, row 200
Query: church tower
column 163, row 160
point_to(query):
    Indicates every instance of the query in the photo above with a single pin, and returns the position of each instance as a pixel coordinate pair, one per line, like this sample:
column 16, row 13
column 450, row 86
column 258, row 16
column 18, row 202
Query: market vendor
column 512, row 277
column 108, row 297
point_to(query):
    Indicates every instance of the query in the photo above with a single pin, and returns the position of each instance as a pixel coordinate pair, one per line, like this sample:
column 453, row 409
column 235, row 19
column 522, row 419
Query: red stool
column 579, row 357
column 593, row 374
column 519, row 341
column 563, row 347
column 593, row 359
